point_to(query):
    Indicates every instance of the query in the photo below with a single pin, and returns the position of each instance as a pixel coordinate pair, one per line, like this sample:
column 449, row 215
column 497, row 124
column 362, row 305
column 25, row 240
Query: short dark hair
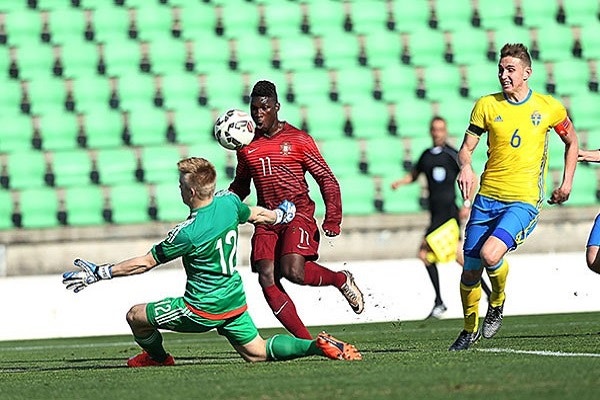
column 517, row 50
column 264, row 89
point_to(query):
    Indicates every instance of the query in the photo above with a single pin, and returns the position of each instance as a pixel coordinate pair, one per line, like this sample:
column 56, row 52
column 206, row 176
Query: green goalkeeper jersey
column 207, row 242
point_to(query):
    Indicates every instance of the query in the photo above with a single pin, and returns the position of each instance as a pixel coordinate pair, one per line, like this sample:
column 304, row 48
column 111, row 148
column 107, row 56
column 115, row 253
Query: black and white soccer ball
column 234, row 129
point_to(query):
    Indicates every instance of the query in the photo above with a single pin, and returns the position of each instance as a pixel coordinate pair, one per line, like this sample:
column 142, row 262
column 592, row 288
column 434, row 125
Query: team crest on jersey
column 536, row 118
column 285, row 148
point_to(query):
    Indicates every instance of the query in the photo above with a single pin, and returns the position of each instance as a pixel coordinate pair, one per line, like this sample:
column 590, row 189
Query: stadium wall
column 395, row 291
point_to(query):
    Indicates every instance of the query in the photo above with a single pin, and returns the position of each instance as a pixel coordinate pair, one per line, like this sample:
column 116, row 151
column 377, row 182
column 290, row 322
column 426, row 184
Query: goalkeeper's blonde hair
column 199, row 174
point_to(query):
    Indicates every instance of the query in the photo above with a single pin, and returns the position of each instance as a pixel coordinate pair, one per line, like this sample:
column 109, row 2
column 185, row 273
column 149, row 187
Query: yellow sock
column 470, row 296
column 498, row 280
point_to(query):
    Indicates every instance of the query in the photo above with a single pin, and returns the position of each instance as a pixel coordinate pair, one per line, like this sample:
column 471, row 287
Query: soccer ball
column 234, row 129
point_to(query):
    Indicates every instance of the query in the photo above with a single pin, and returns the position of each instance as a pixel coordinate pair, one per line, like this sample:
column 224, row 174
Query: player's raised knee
column 136, row 314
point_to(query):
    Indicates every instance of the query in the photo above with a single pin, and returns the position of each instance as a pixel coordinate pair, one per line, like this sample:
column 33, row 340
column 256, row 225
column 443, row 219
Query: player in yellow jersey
column 506, row 208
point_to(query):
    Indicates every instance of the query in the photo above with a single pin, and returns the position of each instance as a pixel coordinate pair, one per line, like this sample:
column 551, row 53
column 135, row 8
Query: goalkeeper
column 214, row 295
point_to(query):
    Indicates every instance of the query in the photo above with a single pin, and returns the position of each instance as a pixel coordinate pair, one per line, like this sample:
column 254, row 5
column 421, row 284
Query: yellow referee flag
column 444, row 240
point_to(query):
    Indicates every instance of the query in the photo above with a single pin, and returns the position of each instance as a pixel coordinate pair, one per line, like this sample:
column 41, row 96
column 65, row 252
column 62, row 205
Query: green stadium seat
column 103, row 129
column 342, row 156
column 297, row 52
column 214, row 153
column 12, row 138
column 153, row 20
column 585, row 185
column 148, row 126
column 383, row 47
column 358, row 194
column 71, row 167
column 283, row 18
column 369, row 119
column 168, row 56
column 5, row 204
column 39, row 207
column 91, row 93
column 239, row 18
column 23, row 26
column 169, row 204
column 584, row 110
column 66, row 24
column 47, row 95
column 404, row 200
column 555, row 42
column 59, row 131
column 469, row 45
column 355, row 84
column 325, row 120
column 326, row 17
column 340, row 49
column 442, row 82
column 110, row 23
column 84, row 205
column 194, row 125
column 566, row 81
column 129, row 203
column 590, row 40
column 495, row 14
column 457, row 113
column 411, row 16
column 197, row 19
column 79, row 57
column 26, row 169
column 180, row 90
column 224, row 89
column 122, row 57
column 384, row 156
column 254, row 53
column 35, row 61
column 315, row 194
column 116, row 165
column 160, row 163
column 367, row 18
column 538, row 13
column 398, row 82
column 413, row 118
column 426, row 47
column 556, row 151
column 483, row 79
column 136, row 91
column 583, row 13
column 454, row 16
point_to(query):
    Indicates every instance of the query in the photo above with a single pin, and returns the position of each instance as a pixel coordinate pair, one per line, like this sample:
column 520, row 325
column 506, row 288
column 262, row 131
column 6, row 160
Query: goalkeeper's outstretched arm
column 135, row 265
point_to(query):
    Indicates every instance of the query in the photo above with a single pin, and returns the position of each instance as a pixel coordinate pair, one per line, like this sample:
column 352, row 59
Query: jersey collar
column 518, row 102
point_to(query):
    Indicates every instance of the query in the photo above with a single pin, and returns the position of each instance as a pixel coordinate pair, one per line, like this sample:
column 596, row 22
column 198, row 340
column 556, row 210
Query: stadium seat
column 197, row 19
column 426, row 47
column 225, row 90
column 217, row 155
column 180, row 90
column 254, row 52
column 355, row 85
column 47, row 95
column 413, row 118
column 283, row 18
column 581, row 13
column 79, row 57
column 116, row 165
column 35, row 61
column 39, row 207
column 325, row 120
column 153, row 20
column 568, row 82
column 148, row 126
column 384, row 156
column 555, row 42
column 366, row 18
column 383, row 47
column 369, row 119
column 23, row 26
column 136, row 91
column 26, row 169
column 404, row 200
column 590, row 40
column 358, row 194
column 456, row 113
column 103, row 129
column 315, row 194
column 66, row 24
column 169, row 204
column 168, row 56
column 122, row 57
column 442, row 82
column 239, row 18
column 91, row 93
column 342, row 156
column 585, row 185
column 584, row 110
column 12, row 138
column 454, row 16
column 311, row 86
column 194, row 125
column 398, row 82
column 297, row 52
column 160, row 163
column 495, row 14
column 129, row 203
column 84, row 205
column 469, row 45
column 340, row 49
column 5, row 204
column 110, row 23
column 538, row 13
column 71, row 167
column 326, row 17
column 483, row 79
column 59, row 131
column 411, row 16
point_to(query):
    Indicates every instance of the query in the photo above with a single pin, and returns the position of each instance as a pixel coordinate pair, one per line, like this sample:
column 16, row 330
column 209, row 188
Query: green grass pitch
column 532, row 357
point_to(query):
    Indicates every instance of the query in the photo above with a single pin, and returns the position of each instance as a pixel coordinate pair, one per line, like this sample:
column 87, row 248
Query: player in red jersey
column 276, row 161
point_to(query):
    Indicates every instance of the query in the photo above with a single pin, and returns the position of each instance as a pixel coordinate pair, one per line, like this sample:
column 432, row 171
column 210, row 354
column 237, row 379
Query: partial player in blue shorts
column 593, row 244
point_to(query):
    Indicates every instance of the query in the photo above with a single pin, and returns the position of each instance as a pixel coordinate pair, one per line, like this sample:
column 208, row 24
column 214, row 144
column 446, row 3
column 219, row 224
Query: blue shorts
column 510, row 222
column 594, row 239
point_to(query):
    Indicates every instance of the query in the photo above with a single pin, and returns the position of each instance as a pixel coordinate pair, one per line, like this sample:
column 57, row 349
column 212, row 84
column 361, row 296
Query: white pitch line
column 540, row 353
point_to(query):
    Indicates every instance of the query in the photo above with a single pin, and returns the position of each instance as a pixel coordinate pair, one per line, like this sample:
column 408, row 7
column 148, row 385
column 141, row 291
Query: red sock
column 317, row 275
column 285, row 311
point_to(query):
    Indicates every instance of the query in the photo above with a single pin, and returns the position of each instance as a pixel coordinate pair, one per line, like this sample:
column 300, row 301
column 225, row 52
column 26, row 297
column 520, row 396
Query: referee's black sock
column 435, row 281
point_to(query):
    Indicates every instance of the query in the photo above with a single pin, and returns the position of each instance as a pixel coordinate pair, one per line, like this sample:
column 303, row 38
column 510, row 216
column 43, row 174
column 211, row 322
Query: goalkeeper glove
column 89, row 273
column 285, row 212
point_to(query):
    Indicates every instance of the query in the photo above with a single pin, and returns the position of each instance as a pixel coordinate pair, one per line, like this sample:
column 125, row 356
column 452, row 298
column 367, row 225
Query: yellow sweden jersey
column 517, row 144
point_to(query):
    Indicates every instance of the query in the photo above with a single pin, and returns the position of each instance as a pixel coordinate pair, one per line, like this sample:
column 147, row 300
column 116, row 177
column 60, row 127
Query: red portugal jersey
column 277, row 165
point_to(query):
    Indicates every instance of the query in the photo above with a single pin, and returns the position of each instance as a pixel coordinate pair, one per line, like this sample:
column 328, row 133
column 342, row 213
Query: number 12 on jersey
column 227, row 251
